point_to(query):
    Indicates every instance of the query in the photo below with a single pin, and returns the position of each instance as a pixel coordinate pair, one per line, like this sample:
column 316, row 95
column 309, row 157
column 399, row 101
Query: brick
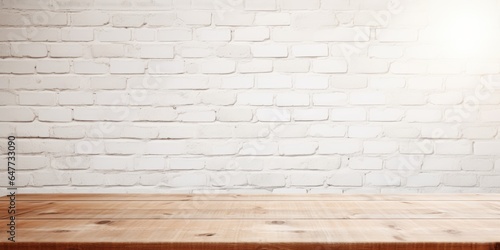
column 348, row 82
column 311, row 82
column 297, row 148
column 165, row 147
column 273, row 115
column 218, row 66
column 460, row 180
column 433, row 83
column 65, row 50
column 382, row 179
column 343, row 147
column 269, row 51
column 449, row 98
column 273, row 81
column 255, row 99
column 213, row 34
column 272, row 19
column 330, row 99
column 367, row 98
column 409, row 67
column 461, row 147
column 292, row 66
column 67, row 132
column 234, row 115
column 185, row 164
column 121, row 179
column 441, row 164
column 166, row 67
column 260, row 5
column 77, row 34
column 155, row 114
column 177, row 132
column 238, row 82
column 363, row 131
column 380, row 147
column 51, row 179
column 267, row 180
column 387, row 82
column 17, row 67
column 108, row 50
column 346, row 180
column 45, row 35
column 423, row 115
column 113, row 35
column 55, row 115
column 195, row 17
column 479, row 132
column 486, row 148
column 307, row 179
column 292, row 100
column 87, row 179
column 396, row 35
column 475, row 164
column 128, row 20
column 234, row 18
column 38, row 98
column 120, row 66
column 111, row 163
column 194, row 50
column 424, row 180
column 100, row 114
column 218, row 98
column 490, row 181
column 299, row 5
column 310, row 115
column 7, row 98
column 368, row 66
column 233, row 51
column 76, row 98
column 348, row 114
column 291, row 131
column 53, row 67
column 313, row 19
column 187, row 180
column 89, row 18
column 16, row 114
column 150, row 163
column 29, row 50
column 114, row 98
column 197, row 116
column 90, row 67
column 330, row 66
column 144, row 35
column 368, row 163
column 385, row 114
column 415, row 147
column 310, row 50
column 174, row 35
column 163, row 19
column 340, row 34
column 326, row 130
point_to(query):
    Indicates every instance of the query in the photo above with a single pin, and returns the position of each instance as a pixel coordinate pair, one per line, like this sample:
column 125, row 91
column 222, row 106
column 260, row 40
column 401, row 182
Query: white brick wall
column 283, row 96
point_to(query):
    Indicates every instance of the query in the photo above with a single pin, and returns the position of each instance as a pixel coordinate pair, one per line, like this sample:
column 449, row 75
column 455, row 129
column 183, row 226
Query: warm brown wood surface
column 318, row 222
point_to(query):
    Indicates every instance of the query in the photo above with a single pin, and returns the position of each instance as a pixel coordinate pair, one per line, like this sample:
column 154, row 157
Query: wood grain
column 319, row 222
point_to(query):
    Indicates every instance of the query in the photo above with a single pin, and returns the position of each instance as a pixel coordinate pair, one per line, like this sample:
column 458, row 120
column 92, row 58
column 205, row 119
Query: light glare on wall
column 469, row 28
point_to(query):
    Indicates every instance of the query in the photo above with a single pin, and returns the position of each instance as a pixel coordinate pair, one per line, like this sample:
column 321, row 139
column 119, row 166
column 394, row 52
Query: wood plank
column 256, row 209
column 287, row 222
column 266, row 231
column 249, row 246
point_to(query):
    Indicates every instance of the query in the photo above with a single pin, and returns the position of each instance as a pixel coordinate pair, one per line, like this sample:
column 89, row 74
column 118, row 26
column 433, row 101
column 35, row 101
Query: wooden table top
column 208, row 221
